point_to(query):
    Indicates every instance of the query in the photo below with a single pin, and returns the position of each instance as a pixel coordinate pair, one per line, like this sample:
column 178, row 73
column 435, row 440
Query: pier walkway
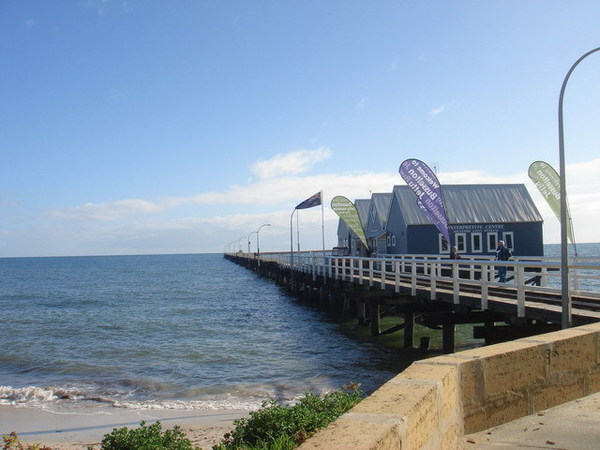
column 440, row 293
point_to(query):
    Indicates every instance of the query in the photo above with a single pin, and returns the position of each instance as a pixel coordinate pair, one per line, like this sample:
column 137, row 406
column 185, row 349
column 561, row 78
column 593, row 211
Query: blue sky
column 133, row 127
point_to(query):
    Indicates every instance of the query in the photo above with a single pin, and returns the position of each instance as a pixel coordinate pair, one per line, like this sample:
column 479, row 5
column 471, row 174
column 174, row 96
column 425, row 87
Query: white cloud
column 293, row 163
column 109, row 210
column 362, row 103
column 434, row 112
column 143, row 226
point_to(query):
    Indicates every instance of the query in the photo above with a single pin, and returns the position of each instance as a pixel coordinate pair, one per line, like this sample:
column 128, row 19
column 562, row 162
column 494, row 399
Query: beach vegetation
column 12, row 442
column 281, row 427
column 147, row 437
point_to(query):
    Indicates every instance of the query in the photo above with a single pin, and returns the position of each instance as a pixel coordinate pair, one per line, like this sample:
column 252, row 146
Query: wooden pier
column 436, row 292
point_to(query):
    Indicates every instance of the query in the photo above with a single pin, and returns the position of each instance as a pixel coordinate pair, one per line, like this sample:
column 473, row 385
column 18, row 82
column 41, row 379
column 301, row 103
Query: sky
column 145, row 127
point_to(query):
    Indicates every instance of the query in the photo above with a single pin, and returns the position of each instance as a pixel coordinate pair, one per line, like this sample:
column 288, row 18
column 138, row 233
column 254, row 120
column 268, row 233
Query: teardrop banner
column 348, row 213
column 426, row 186
column 547, row 180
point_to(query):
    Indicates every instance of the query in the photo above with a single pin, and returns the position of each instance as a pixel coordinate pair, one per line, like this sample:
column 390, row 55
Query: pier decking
column 438, row 292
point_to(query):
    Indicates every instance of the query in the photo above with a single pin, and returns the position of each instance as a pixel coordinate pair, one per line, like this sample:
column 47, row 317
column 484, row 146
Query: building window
column 509, row 240
column 492, row 242
column 476, row 244
column 388, row 240
column 460, row 240
column 443, row 244
column 393, row 240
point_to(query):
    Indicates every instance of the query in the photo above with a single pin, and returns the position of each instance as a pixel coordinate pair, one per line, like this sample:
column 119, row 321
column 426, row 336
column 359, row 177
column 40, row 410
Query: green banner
column 547, row 180
column 348, row 213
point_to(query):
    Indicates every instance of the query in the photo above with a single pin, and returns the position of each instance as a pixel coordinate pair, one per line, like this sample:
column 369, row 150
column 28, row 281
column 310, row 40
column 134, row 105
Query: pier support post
column 361, row 312
column 332, row 299
column 409, row 330
column 448, row 337
column 375, row 319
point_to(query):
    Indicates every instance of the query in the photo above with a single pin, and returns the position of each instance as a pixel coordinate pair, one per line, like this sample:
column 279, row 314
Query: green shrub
column 12, row 442
column 280, row 427
column 147, row 438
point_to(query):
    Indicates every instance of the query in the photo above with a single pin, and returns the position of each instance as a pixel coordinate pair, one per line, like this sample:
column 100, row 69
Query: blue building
column 479, row 217
column 376, row 228
column 347, row 237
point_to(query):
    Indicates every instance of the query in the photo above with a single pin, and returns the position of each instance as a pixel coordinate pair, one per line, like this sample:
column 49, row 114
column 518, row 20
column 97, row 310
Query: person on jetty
column 502, row 254
column 454, row 253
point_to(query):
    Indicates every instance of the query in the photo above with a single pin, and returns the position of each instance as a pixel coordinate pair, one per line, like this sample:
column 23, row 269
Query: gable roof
column 378, row 214
column 362, row 206
column 474, row 203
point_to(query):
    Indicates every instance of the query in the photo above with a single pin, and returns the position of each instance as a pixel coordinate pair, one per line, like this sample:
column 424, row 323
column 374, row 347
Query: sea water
column 173, row 332
column 167, row 331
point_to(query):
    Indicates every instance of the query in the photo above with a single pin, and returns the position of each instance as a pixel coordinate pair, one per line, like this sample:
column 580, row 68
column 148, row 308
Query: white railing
column 440, row 274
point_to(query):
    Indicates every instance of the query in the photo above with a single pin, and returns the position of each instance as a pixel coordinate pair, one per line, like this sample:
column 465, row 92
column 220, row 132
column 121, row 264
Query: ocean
column 172, row 332
column 167, row 332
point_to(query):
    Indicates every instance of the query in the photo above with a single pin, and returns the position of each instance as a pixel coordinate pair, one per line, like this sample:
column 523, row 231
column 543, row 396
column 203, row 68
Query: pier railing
column 527, row 276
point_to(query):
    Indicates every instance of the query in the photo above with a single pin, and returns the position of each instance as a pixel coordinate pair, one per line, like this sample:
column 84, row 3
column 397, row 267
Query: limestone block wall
column 436, row 401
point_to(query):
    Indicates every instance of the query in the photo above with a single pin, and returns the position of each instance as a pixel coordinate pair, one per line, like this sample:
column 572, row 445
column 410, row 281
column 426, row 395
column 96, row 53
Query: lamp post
column 238, row 242
column 257, row 239
column 564, row 252
column 254, row 232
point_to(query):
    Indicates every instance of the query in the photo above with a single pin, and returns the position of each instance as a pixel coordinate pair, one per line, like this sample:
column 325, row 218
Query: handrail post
column 433, row 278
column 397, row 276
column 370, row 272
column 485, row 273
column 360, row 271
column 544, row 277
column 455, row 283
column 413, row 278
column 520, row 291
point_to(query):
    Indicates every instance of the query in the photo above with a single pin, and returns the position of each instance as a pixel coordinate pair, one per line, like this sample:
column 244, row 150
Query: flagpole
column 322, row 221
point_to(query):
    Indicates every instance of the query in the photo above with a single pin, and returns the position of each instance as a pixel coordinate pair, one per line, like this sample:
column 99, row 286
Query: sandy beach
column 77, row 429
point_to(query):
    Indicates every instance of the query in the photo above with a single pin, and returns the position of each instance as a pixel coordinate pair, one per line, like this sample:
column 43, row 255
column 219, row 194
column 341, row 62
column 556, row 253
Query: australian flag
column 315, row 200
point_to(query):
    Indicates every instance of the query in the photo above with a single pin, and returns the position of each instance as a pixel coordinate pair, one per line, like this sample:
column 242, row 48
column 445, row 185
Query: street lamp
column 238, row 242
column 257, row 240
column 564, row 253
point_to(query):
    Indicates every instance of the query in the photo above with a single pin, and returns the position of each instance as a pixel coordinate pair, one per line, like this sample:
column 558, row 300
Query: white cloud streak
column 362, row 103
column 140, row 226
column 293, row 163
column 434, row 112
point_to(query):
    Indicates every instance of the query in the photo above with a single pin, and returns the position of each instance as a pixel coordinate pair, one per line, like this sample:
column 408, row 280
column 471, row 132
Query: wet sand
column 77, row 429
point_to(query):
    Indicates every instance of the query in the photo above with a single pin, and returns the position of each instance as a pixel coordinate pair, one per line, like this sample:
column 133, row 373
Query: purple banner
column 423, row 182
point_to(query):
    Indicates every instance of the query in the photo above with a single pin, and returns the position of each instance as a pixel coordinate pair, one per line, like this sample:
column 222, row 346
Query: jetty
column 438, row 292
column 441, row 402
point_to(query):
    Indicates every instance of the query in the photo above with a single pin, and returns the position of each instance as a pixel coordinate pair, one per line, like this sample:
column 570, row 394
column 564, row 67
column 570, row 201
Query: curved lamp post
column 238, row 242
column 254, row 232
column 564, row 253
column 257, row 240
